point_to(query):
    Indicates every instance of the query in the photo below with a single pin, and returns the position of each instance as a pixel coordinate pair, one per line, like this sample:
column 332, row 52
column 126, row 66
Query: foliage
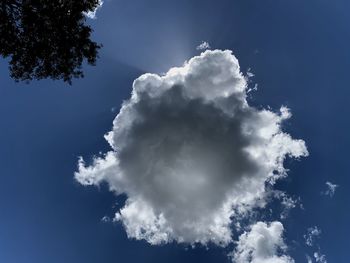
column 46, row 38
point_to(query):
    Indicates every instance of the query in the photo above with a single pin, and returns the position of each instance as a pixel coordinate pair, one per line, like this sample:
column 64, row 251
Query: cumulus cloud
column 190, row 153
column 92, row 14
column 330, row 189
column 262, row 244
column 203, row 45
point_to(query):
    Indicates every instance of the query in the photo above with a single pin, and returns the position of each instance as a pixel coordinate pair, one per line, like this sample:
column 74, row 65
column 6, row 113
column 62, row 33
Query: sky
column 294, row 52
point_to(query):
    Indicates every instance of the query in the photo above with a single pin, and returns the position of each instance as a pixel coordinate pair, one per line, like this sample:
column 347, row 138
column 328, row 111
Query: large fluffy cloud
column 190, row 153
column 262, row 244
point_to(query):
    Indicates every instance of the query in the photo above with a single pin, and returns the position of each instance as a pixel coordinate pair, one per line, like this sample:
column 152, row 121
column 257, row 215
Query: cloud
column 320, row 257
column 287, row 202
column 311, row 235
column 314, row 233
column 203, row 45
column 92, row 14
column 106, row 219
column 262, row 244
column 250, row 74
column 330, row 189
column 190, row 153
column 309, row 259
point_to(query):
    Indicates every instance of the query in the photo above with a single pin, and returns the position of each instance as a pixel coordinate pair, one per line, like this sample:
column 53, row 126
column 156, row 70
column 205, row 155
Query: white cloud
column 311, row 235
column 203, row 45
column 250, row 74
column 320, row 257
column 287, row 202
column 92, row 14
column 309, row 259
column 262, row 244
column 314, row 233
column 190, row 154
column 330, row 189
column 106, row 219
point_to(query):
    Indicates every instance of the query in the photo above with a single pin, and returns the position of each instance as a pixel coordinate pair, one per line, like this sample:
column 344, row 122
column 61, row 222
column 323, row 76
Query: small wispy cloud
column 320, row 258
column 289, row 203
column 250, row 74
column 311, row 235
column 106, row 219
column 309, row 259
column 330, row 191
column 203, row 46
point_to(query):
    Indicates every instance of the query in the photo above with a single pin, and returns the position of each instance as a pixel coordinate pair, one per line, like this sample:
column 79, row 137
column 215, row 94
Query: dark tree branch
column 46, row 38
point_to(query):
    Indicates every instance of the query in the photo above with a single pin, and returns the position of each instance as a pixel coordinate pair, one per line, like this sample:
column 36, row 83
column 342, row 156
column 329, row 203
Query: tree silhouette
column 46, row 38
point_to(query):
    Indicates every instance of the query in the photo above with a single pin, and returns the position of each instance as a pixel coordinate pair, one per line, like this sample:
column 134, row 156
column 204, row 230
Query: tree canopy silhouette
column 46, row 38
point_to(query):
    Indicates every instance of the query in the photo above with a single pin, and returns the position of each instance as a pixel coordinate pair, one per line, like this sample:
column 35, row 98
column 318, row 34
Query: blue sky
column 298, row 52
